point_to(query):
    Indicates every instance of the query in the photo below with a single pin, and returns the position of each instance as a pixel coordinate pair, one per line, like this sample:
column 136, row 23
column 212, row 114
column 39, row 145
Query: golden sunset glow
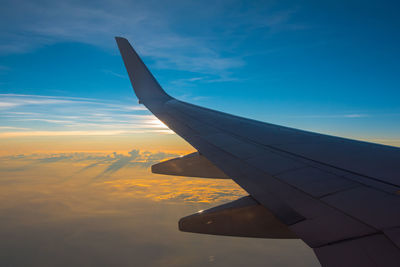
column 109, row 204
column 113, row 175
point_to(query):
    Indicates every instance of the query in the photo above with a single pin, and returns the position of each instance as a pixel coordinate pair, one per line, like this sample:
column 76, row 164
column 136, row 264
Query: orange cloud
column 117, row 175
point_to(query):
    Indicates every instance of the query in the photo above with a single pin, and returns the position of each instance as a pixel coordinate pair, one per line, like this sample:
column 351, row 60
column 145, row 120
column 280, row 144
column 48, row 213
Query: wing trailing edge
column 191, row 165
column 244, row 217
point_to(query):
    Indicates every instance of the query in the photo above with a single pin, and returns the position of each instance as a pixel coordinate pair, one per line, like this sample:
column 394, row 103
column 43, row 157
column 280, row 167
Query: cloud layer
column 112, row 162
column 125, row 174
column 53, row 214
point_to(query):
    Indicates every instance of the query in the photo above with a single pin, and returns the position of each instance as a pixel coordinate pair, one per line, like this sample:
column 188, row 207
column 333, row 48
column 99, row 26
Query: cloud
column 135, row 108
column 178, row 189
column 110, row 72
column 12, row 128
column 122, row 174
column 7, row 105
column 36, row 115
column 354, row 115
column 8, row 101
column 147, row 24
column 112, row 162
column 49, row 220
column 333, row 116
column 78, row 133
column 161, row 31
column 55, row 158
column 121, row 161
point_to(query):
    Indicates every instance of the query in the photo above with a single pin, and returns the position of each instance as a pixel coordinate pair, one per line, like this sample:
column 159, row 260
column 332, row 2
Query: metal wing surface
column 340, row 196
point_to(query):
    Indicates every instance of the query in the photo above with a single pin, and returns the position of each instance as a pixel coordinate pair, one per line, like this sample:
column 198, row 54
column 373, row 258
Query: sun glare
column 157, row 123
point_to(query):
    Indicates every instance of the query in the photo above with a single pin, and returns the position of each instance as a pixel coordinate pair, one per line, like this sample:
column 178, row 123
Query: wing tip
column 143, row 82
column 120, row 38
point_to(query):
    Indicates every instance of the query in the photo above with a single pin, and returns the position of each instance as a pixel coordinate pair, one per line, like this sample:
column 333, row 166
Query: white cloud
column 7, row 104
column 135, row 108
column 354, row 115
column 111, row 161
column 110, row 72
column 56, row 116
column 333, row 116
column 78, row 133
column 12, row 128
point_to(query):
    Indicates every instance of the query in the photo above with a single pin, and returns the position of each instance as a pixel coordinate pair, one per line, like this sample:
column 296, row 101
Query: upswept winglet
column 144, row 84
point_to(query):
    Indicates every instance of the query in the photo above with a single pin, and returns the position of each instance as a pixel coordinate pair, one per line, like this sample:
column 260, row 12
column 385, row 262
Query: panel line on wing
column 388, row 187
column 191, row 138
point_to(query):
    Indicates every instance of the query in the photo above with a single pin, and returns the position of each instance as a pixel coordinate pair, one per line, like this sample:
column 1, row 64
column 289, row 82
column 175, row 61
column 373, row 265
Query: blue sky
column 326, row 66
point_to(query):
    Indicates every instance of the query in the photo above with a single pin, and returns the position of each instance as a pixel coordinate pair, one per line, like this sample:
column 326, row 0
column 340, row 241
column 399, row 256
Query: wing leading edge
column 339, row 196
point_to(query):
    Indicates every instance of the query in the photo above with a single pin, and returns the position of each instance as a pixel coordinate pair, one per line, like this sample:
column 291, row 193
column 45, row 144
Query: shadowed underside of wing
column 340, row 196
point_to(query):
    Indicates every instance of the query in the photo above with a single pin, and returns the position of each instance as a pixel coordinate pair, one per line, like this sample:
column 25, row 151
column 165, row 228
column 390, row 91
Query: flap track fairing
column 191, row 165
column 244, row 217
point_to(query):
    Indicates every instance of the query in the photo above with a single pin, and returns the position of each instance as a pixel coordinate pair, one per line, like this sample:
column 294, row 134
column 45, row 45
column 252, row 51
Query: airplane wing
column 340, row 196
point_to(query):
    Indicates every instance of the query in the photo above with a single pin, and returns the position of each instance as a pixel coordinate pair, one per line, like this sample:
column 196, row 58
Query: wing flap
column 243, row 217
column 370, row 251
column 316, row 182
column 378, row 209
column 192, row 165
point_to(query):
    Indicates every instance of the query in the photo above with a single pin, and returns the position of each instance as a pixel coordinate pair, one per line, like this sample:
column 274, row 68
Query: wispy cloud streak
column 157, row 30
column 111, row 162
column 31, row 115
column 333, row 116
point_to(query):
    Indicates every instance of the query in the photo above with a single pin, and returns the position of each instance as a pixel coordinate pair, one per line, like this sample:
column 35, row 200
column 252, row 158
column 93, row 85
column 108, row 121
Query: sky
column 330, row 67
column 76, row 146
